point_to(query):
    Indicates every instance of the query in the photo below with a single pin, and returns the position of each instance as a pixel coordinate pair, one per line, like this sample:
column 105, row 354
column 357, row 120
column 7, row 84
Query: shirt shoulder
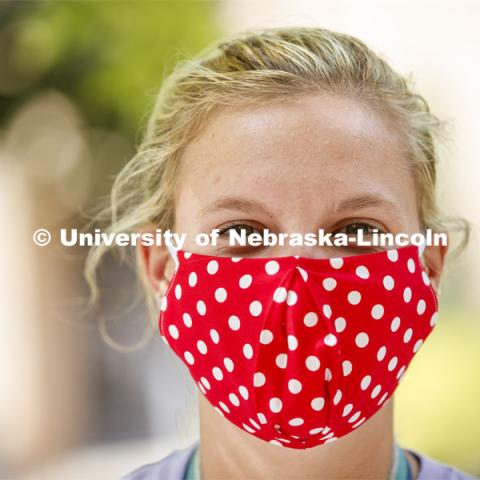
column 431, row 469
column 172, row 467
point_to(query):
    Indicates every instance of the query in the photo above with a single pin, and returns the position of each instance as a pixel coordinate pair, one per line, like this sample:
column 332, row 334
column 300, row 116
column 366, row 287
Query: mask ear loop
column 422, row 245
column 173, row 253
column 159, row 298
column 421, row 248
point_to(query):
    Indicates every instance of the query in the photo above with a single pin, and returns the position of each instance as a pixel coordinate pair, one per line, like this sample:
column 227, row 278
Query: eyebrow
column 246, row 205
column 364, row 201
column 238, row 204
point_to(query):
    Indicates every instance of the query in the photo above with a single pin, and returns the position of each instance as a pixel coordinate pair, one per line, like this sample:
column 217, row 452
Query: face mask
column 298, row 351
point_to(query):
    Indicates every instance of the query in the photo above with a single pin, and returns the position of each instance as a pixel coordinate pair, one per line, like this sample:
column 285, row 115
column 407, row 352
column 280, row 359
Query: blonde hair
column 258, row 66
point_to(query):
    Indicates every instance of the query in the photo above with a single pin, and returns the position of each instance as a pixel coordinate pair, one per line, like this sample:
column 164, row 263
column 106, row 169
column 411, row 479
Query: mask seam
column 320, row 310
column 266, row 316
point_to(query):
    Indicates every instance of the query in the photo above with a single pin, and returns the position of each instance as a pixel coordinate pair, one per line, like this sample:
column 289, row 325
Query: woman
column 296, row 350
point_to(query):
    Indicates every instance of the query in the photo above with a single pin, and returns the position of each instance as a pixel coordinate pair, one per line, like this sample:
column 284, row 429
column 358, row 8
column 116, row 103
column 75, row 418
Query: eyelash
column 368, row 225
column 223, row 231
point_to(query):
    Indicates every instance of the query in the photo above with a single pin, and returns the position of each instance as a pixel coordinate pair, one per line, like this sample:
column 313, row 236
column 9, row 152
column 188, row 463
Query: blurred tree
column 108, row 57
column 77, row 81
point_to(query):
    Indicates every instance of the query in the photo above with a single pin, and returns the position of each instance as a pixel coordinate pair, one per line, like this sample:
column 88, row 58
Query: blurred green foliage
column 438, row 400
column 109, row 57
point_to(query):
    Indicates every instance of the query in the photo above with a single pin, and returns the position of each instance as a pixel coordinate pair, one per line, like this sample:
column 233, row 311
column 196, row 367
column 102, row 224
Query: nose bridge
column 308, row 251
column 317, row 252
column 301, row 224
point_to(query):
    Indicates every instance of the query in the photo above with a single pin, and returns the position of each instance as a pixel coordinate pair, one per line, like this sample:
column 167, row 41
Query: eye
column 352, row 231
column 355, row 227
column 239, row 227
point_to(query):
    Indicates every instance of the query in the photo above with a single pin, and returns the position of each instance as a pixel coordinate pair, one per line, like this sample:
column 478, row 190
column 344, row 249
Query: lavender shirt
column 173, row 467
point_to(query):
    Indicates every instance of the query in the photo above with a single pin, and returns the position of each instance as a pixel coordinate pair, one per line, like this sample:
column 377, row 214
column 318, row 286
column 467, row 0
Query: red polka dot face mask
column 298, row 351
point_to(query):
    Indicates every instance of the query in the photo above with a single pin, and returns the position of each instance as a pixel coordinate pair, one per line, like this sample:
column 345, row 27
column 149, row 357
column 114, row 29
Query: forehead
column 293, row 152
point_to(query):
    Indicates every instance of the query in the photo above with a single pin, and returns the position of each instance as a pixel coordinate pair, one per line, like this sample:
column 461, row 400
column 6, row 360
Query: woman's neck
column 229, row 453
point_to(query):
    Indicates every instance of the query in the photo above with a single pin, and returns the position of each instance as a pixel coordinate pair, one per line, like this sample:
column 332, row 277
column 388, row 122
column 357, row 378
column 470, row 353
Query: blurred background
column 77, row 81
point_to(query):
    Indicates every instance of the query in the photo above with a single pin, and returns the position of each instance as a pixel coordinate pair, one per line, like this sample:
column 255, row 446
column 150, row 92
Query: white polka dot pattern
column 295, row 350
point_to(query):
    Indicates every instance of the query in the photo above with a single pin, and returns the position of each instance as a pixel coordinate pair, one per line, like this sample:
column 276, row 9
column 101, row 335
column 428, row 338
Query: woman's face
column 292, row 166
column 296, row 164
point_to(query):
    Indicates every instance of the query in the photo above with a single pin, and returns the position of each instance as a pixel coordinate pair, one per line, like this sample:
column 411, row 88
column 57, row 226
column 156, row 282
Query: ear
column 434, row 261
column 156, row 262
